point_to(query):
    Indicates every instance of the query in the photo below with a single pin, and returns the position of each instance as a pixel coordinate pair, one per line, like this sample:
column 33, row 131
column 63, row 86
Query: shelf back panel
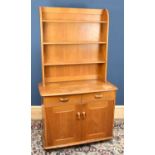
column 73, row 53
column 58, row 16
column 49, row 13
column 72, row 72
column 56, row 32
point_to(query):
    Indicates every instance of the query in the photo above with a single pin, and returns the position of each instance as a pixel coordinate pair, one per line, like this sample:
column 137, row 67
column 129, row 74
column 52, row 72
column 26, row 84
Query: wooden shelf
column 76, row 51
column 72, row 21
column 74, row 63
column 75, row 87
column 74, row 42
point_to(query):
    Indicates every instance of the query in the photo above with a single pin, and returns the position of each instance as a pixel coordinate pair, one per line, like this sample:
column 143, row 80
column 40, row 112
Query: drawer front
column 110, row 95
column 61, row 100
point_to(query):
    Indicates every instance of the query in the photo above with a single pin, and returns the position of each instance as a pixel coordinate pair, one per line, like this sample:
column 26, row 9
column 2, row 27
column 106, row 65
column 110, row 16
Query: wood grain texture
column 73, row 21
column 78, row 101
column 72, row 10
column 81, row 118
column 61, row 100
column 42, row 47
column 98, row 96
column 71, row 72
column 98, row 119
column 71, row 32
column 77, row 143
column 73, row 42
column 71, row 36
column 36, row 112
column 62, row 120
column 62, row 54
column 75, row 87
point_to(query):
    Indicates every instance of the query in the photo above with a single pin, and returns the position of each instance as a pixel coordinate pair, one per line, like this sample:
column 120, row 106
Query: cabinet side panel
column 42, row 47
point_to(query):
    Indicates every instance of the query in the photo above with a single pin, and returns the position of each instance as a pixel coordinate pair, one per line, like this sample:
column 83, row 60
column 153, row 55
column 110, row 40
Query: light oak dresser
column 77, row 100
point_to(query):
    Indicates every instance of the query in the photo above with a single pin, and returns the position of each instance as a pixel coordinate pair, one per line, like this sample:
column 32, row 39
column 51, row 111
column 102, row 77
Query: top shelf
column 72, row 21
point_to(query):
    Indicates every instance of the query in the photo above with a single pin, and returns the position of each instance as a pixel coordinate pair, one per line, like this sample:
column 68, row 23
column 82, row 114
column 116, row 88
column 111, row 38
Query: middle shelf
column 74, row 63
column 72, row 21
column 74, row 42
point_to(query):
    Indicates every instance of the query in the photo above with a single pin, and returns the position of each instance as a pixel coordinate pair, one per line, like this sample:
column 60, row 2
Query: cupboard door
column 98, row 119
column 62, row 124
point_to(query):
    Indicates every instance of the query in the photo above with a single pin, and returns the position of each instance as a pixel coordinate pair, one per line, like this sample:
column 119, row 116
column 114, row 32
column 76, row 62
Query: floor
column 112, row 147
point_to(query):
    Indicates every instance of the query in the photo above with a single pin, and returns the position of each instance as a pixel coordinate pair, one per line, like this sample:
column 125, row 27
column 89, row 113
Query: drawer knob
column 78, row 115
column 98, row 96
column 64, row 99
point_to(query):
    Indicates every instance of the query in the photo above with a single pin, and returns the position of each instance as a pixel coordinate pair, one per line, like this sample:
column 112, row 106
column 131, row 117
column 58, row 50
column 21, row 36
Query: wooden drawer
column 61, row 100
column 110, row 95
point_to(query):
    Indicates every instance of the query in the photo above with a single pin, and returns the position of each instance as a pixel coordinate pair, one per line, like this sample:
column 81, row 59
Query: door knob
column 78, row 115
column 84, row 115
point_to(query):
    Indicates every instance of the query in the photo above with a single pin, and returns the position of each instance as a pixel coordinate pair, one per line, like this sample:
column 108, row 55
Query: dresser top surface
column 75, row 87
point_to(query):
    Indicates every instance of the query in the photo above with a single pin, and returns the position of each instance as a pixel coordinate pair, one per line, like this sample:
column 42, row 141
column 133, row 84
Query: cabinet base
column 76, row 143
